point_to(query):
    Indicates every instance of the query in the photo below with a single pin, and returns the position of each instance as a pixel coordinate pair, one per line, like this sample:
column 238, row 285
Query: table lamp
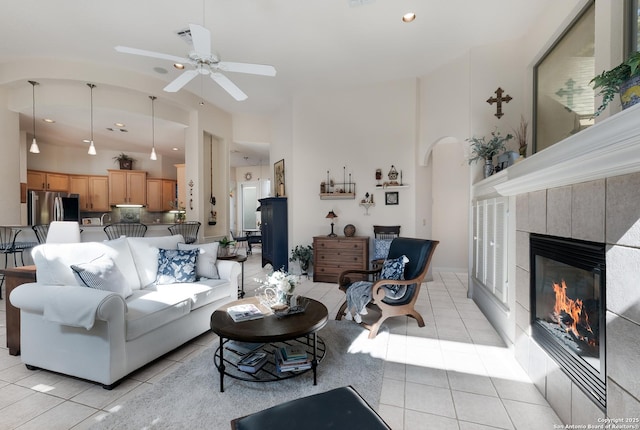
column 331, row 215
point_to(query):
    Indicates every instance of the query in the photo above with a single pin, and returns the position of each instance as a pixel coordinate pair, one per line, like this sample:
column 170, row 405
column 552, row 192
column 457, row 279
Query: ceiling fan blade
column 201, row 38
column 254, row 69
column 181, row 81
column 145, row 53
column 228, row 86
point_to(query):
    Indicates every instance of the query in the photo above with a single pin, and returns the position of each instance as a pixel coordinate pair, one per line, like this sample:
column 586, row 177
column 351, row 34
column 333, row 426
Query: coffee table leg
column 314, row 362
column 221, row 367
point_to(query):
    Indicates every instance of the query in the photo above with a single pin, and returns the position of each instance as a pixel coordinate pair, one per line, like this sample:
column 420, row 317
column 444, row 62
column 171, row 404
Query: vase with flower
column 277, row 289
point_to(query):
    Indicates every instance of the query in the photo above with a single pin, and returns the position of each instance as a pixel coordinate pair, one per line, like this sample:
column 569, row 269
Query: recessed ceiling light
column 175, row 149
column 408, row 17
column 118, row 124
column 86, row 141
column 160, row 70
column 48, row 120
column 178, row 66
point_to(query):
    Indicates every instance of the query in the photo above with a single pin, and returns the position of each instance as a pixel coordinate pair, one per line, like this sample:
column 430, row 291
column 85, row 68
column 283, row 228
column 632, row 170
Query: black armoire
column 275, row 236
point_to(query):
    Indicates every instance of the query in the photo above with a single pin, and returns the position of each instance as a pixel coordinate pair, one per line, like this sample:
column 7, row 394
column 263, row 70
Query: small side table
column 240, row 259
column 15, row 276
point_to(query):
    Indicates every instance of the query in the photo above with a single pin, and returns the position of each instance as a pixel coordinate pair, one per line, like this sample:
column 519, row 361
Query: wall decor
column 331, row 190
column 498, row 101
column 391, row 198
column 279, row 178
column 367, row 202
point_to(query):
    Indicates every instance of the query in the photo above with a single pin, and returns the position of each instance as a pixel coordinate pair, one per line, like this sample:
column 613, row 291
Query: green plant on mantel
column 609, row 82
column 486, row 148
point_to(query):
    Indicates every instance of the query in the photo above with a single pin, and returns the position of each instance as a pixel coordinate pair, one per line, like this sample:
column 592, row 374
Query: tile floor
column 455, row 373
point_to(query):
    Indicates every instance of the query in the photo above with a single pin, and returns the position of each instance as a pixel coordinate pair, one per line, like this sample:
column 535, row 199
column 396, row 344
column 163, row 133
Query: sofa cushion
column 207, row 257
column 102, row 274
column 200, row 293
column 175, row 265
column 145, row 254
column 124, row 260
column 148, row 309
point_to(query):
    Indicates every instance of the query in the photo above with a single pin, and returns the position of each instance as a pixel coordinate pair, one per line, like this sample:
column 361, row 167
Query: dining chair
column 128, row 229
column 63, row 232
column 8, row 247
column 188, row 230
column 41, row 231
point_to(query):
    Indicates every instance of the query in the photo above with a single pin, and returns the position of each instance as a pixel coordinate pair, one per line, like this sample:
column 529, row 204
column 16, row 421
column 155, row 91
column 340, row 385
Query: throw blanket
column 71, row 306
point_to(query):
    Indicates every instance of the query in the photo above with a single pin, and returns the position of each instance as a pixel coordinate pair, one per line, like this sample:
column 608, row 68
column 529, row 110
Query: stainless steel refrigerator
column 47, row 206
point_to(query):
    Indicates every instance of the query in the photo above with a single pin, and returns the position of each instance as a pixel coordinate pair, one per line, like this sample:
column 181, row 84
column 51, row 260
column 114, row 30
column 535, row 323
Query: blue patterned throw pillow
column 176, row 266
column 394, row 269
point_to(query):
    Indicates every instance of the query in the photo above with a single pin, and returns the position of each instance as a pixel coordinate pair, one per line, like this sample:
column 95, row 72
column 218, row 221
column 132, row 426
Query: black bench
column 340, row 408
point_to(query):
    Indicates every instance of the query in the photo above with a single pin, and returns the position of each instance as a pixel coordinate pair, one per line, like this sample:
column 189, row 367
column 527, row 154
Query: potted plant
column 521, row 137
column 486, row 148
column 304, row 255
column 125, row 161
column 224, row 246
column 624, row 79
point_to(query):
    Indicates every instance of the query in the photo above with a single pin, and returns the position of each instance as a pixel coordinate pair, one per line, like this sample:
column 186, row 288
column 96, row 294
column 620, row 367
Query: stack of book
column 244, row 312
column 252, row 362
column 291, row 359
column 242, row 348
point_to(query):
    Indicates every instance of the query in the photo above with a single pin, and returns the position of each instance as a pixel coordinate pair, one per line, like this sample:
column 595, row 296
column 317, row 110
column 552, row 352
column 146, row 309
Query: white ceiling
column 313, row 44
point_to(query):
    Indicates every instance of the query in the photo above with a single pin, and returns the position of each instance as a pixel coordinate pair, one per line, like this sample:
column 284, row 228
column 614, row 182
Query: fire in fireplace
column 568, row 309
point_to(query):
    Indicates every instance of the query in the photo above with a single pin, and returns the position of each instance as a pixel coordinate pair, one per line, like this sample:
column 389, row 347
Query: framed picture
column 391, row 198
column 278, row 178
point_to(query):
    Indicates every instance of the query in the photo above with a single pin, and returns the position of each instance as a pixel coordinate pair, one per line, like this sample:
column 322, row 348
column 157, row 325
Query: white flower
column 281, row 281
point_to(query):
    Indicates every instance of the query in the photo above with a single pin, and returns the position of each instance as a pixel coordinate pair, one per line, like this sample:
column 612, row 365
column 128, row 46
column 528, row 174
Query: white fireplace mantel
column 608, row 148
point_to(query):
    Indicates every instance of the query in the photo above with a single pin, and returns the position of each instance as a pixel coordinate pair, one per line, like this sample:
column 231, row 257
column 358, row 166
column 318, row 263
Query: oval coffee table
column 299, row 329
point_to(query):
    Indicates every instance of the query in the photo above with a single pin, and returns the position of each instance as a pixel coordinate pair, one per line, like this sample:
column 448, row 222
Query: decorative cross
column 569, row 91
column 498, row 100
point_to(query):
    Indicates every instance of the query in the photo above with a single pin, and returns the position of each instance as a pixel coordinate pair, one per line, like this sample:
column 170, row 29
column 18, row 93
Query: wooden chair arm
column 343, row 280
column 378, row 293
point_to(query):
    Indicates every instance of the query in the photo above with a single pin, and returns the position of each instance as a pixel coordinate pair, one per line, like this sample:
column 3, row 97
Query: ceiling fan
column 204, row 63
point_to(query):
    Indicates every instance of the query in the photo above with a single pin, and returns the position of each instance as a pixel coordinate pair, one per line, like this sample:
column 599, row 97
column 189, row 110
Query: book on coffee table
column 245, row 312
column 252, row 362
column 242, row 348
column 282, row 366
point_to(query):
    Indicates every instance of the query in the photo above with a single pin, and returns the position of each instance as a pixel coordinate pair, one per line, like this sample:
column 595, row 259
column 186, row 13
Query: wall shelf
column 366, row 206
column 337, row 196
column 391, row 187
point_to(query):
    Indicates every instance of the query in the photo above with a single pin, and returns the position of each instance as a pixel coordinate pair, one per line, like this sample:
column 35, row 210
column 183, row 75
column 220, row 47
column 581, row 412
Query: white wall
column 9, row 164
column 362, row 129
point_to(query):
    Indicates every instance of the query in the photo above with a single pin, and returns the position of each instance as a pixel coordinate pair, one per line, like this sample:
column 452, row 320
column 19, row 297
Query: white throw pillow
column 102, row 274
column 206, row 264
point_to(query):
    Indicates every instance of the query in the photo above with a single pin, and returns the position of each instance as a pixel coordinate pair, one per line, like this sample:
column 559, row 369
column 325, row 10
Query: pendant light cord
column 91, row 86
column 33, row 85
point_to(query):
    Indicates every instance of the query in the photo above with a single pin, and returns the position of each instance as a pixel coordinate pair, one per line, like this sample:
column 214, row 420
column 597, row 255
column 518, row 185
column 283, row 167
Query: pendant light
column 34, row 145
column 153, row 156
column 92, row 148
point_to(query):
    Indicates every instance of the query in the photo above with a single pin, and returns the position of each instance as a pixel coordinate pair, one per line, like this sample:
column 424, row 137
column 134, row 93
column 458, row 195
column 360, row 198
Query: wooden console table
column 15, row 276
column 332, row 255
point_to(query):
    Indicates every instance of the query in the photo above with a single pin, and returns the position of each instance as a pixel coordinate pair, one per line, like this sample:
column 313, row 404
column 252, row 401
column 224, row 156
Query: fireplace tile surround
column 586, row 187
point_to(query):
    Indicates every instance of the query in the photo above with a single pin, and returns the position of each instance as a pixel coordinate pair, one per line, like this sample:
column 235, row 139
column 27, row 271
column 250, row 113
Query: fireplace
column 568, row 308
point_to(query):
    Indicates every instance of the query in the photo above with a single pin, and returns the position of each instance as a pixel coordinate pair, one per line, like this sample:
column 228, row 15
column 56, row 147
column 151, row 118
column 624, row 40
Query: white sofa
column 99, row 335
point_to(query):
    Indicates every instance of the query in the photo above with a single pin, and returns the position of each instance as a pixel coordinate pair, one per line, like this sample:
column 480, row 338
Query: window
column 564, row 100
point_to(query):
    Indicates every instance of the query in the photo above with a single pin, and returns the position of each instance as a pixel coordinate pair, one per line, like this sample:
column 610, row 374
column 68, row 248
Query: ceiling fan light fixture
column 34, row 149
column 178, row 66
column 409, row 17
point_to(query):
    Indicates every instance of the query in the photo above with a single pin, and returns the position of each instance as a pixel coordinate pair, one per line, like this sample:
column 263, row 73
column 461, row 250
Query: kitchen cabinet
column 275, row 236
column 332, row 255
column 127, row 187
column 93, row 192
column 160, row 194
column 47, row 181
